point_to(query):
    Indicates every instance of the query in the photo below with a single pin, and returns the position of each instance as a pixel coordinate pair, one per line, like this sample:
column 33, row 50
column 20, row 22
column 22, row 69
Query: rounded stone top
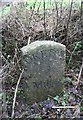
column 39, row 44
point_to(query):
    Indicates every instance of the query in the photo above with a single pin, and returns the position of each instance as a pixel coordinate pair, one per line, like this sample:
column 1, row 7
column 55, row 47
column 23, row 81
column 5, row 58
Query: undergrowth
column 23, row 26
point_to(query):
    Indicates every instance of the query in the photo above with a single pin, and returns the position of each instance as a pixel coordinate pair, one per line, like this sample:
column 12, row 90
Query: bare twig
column 32, row 12
column 15, row 55
column 73, row 53
column 81, row 10
column 14, row 100
column 57, row 15
column 66, row 32
column 3, row 57
column 61, row 5
column 13, row 67
column 21, row 25
column 44, row 18
column 79, row 76
column 39, row 6
column 63, row 107
column 29, row 40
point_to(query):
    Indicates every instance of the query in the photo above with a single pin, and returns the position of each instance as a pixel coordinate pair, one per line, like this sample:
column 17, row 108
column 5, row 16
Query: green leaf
column 63, row 103
column 56, row 98
column 38, row 117
column 1, row 94
column 81, row 108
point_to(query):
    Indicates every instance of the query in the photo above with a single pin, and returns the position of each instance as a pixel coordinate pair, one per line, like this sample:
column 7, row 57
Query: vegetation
column 21, row 27
column 37, row 3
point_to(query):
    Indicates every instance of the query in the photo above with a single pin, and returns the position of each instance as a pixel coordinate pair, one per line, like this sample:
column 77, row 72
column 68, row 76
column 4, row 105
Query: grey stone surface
column 43, row 63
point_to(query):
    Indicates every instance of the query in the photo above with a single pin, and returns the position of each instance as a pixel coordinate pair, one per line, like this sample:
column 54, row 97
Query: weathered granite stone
column 44, row 63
